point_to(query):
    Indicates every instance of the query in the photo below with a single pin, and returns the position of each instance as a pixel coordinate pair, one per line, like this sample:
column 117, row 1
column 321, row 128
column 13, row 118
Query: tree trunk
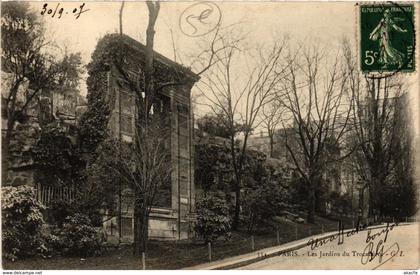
column 235, row 223
column 141, row 227
column 361, row 200
column 120, row 17
column 136, row 233
column 311, row 203
column 271, row 145
column 144, row 232
column 149, row 69
column 140, row 205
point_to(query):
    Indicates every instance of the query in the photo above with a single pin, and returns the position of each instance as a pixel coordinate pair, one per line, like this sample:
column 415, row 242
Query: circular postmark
column 388, row 39
column 200, row 19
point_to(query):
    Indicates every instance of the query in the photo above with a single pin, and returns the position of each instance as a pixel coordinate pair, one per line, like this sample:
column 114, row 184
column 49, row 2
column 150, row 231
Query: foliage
column 77, row 237
column 265, row 184
column 102, row 181
column 214, row 125
column 94, row 122
column 26, row 56
column 57, row 159
column 58, row 211
column 265, row 198
column 31, row 70
column 406, row 197
column 340, row 203
column 298, row 191
column 213, row 220
column 72, row 64
column 254, row 167
column 398, row 199
column 22, row 222
column 59, row 163
column 213, row 167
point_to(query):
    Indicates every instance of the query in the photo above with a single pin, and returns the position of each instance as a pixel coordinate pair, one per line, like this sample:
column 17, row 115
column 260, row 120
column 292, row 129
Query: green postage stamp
column 387, row 37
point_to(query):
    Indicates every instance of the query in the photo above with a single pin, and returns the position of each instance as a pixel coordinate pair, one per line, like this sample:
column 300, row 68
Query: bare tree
column 271, row 118
column 315, row 97
column 241, row 106
column 145, row 166
column 146, row 85
column 380, row 130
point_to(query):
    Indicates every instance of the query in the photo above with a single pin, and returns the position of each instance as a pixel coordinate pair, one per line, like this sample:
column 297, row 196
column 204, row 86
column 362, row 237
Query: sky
column 324, row 22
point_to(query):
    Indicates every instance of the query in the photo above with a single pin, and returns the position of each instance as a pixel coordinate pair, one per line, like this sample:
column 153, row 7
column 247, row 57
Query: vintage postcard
column 196, row 135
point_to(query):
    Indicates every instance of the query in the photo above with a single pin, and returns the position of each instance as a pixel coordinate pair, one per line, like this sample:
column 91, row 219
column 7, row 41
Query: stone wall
column 21, row 164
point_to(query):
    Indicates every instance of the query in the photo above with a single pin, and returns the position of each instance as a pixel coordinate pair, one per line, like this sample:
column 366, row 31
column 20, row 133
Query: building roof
column 136, row 45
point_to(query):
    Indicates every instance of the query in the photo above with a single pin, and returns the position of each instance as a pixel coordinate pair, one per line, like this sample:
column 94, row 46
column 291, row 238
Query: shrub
column 266, row 194
column 213, row 220
column 262, row 203
column 59, row 210
column 77, row 237
column 22, row 222
column 340, row 203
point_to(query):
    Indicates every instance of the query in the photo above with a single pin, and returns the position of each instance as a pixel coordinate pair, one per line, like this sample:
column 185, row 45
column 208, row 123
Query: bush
column 22, row 222
column 213, row 220
column 340, row 203
column 77, row 237
column 261, row 204
column 266, row 194
column 58, row 211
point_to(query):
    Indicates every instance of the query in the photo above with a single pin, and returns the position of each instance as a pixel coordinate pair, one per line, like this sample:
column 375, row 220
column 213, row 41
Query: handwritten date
column 59, row 11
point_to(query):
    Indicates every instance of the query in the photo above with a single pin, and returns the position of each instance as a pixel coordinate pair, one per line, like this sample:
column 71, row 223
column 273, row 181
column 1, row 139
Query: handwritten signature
column 377, row 250
column 372, row 252
column 200, row 19
column 318, row 242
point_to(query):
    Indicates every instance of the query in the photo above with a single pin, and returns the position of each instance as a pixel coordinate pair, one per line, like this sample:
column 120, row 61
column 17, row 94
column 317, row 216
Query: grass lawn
column 175, row 255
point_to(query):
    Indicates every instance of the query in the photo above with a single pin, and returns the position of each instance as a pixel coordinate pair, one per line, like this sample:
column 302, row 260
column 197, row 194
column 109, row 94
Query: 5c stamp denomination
column 387, row 38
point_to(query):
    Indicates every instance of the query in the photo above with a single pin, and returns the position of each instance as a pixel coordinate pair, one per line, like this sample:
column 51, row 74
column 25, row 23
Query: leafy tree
column 28, row 64
column 213, row 167
column 266, row 196
column 56, row 157
column 213, row 219
column 214, row 125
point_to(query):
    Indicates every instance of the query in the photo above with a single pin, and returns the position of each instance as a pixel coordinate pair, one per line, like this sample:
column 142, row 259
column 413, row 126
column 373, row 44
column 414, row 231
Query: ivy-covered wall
column 103, row 119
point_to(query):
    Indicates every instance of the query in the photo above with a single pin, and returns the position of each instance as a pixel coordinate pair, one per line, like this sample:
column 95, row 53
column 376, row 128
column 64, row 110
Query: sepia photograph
column 210, row 135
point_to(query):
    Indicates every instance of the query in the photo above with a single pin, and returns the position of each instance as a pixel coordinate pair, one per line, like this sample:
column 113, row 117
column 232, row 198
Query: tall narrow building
column 172, row 217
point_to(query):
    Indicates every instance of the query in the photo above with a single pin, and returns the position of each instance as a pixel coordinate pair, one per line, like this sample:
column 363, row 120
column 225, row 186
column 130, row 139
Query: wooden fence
column 46, row 194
